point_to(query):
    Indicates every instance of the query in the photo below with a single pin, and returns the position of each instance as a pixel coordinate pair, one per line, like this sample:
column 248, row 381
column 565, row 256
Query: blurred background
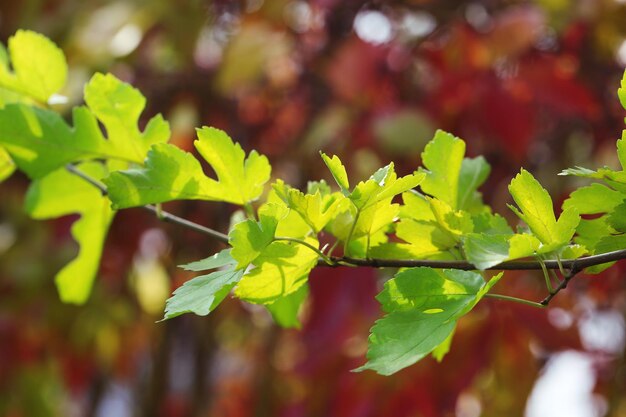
column 525, row 83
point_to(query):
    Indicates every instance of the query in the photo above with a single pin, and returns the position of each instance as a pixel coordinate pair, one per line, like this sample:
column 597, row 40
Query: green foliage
column 171, row 174
column 422, row 306
column 271, row 250
column 39, row 66
column 59, row 194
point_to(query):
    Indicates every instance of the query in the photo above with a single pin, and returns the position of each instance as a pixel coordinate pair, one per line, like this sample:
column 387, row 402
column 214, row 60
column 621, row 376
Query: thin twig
column 160, row 214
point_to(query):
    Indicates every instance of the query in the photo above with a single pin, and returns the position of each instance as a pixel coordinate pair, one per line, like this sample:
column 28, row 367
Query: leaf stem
column 249, row 211
column 515, row 300
column 321, row 254
column 347, row 242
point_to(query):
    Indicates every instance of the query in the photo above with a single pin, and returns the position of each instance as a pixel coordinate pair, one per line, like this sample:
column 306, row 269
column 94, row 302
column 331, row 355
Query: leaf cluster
column 433, row 213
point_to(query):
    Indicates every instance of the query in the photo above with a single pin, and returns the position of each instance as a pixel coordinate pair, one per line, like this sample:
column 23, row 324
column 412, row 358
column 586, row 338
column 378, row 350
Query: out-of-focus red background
column 525, row 83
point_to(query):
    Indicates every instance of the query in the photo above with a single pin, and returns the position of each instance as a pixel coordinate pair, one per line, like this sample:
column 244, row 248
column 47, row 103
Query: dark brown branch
column 569, row 264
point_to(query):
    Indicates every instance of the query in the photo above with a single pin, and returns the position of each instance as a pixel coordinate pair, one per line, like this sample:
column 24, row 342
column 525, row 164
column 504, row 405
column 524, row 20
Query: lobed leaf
column 40, row 141
column 281, row 269
column 60, row 194
column 338, row 172
column 443, row 157
column 249, row 238
column 39, row 66
column 172, row 174
column 537, row 211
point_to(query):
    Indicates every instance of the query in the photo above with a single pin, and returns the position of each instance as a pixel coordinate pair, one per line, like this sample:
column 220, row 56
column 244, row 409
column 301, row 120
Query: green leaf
column 485, row 251
column 7, row 166
column 285, row 310
column 172, row 174
column 202, row 294
column 594, row 199
column 60, row 194
column 338, row 172
column 443, row 157
column 382, row 185
column 524, row 245
column 491, row 224
column 281, row 269
column 617, row 218
column 119, row 106
column 621, row 92
column 169, row 174
column 426, row 238
column 249, row 238
column 39, row 66
column 590, row 232
column 220, row 259
column 537, row 211
column 455, row 222
column 611, row 243
column 40, row 141
column 444, row 347
column 241, row 178
column 422, row 306
column 315, row 209
column 474, row 172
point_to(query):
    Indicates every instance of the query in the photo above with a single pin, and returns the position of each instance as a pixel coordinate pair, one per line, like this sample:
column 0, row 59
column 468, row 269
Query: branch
column 569, row 264
column 573, row 266
column 160, row 214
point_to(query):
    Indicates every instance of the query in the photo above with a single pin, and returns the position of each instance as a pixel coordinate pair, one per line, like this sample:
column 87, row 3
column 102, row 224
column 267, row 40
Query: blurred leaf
column 7, row 166
column 593, row 199
column 403, row 132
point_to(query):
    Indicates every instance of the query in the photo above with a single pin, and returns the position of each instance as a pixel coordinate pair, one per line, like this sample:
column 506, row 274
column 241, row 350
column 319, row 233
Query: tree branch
column 571, row 266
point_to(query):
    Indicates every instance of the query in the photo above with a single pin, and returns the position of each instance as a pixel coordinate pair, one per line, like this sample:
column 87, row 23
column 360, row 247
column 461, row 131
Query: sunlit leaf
column 537, row 211
column 443, row 157
column 281, row 269
column 172, row 174
column 7, row 166
column 338, row 172
column 202, row 294
column 60, row 194
column 249, row 238
column 39, row 66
